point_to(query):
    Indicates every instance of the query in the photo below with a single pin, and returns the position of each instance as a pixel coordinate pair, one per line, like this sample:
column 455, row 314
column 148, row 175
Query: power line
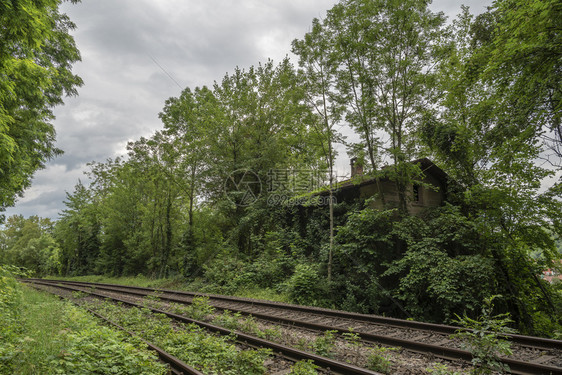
column 164, row 70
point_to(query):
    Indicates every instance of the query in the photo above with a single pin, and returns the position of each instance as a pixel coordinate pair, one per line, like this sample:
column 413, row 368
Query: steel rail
column 532, row 341
column 287, row 352
column 516, row 366
column 177, row 365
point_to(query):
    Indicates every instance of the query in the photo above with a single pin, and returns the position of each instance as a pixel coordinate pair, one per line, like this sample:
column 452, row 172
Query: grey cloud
column 46, row 195
column 194, row 41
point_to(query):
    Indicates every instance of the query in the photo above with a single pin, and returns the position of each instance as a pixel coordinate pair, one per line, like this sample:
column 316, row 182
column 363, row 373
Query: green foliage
column 378, row 360
column 305, row 286
column 545, row 326
column 10, row 312
column 228, row 319
column 304, row 368
column 365, row 244
column 441, row 369
column 101, row 350
column 36, row 55
column 485, row 338
column 190, row 343
column 324, row 345
column 29, row 243
column 441, row 272
column 151, row 301
column 78, row 295
column 499, row 117
column 353, row 342
column 40, row 334
column 199, row 309
column 77, row 232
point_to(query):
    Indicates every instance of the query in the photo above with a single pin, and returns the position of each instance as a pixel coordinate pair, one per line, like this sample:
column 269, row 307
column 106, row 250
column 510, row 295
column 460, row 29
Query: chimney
column 356, row 169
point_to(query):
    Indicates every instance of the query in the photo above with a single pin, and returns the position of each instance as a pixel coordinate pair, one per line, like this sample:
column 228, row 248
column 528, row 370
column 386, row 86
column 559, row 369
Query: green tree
column 190, row 122
column 525, row 52
column 159, row 182
column 318, row 77
column 36, row 54
column 29, row 243
column 264, row 130
column 387, row 52
column 490, row 140
column 77, row 231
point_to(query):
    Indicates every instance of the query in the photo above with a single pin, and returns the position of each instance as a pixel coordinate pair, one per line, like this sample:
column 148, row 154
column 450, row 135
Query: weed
column 303, row 344
column 249, row 325
column 191, row 343
column 324, row 345
column 354, row 344
column 485, row 338
column 199, row 309
column 151, row 301
column 250, row 362
column 304, row 368
column 78, row 295
column 441, row 369
column 378, row 360
column 228, row 320
column 273, row 334
column 179, row 309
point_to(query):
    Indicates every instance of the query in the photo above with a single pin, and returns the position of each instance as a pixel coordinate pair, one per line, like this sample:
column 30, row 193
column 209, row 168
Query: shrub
column 101, row 350
column 305, row 286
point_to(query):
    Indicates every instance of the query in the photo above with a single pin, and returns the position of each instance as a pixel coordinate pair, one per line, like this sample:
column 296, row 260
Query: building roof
column 426, row 166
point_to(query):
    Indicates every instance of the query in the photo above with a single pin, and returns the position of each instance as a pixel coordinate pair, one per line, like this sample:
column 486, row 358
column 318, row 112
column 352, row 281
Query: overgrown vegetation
column 304, row 368
column 192, row 344
column 379, row 361
column 485, row 338
column 480, row 97
column 42, row 335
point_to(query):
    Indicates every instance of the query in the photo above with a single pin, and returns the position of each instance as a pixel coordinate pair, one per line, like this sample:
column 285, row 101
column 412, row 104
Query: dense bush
column 306, row 286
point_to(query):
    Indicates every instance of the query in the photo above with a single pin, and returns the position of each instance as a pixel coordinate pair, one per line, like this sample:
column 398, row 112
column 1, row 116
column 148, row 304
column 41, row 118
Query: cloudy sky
column 138, row 53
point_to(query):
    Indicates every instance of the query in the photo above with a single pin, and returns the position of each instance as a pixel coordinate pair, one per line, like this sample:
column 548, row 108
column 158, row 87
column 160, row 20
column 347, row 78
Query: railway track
column 533, row 355
column 177, row 366
column 329, row 365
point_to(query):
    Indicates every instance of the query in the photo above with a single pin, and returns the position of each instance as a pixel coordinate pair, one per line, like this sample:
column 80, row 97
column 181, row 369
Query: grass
column 41, row 321
column 55, row 337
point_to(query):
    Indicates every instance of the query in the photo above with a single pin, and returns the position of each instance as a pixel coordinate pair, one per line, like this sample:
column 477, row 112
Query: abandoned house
column 430, row 192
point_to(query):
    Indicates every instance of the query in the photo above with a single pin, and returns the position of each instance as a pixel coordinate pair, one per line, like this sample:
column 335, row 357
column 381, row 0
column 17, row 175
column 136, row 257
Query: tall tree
column 190, row 122
column 318, row 77
column 387, row 52
column 36, row 54
column 154, row 167
column 78, row 230
column 525, row 61
column 489, row 139
column 264, row 130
